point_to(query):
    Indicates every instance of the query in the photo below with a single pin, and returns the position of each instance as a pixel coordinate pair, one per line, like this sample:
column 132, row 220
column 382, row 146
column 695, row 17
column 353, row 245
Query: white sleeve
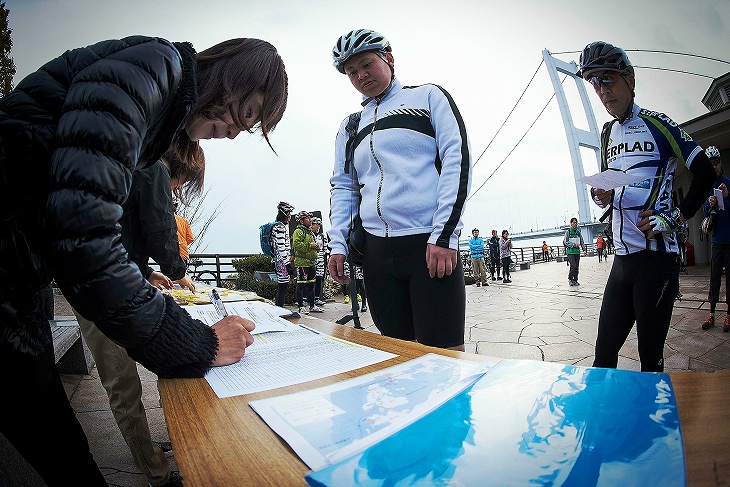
column 455, row 178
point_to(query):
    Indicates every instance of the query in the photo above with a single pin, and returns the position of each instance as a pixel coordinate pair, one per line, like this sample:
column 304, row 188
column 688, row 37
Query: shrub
column 266, row 289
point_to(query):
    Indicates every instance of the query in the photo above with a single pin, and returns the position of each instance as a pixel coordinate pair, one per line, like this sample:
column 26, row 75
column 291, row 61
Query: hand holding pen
column 233, row 332
column 218, row 303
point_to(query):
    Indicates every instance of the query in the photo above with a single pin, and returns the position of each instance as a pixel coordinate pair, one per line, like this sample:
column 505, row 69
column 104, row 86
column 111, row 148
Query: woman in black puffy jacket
column 71, row 135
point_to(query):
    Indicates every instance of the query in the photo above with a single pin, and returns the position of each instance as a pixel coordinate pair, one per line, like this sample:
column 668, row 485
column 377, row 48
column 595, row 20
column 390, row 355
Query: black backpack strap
column 605, row 135
column 351, row 130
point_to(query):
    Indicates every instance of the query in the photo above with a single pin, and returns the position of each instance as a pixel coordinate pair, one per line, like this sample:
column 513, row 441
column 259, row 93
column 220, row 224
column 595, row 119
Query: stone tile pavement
column 536, row 317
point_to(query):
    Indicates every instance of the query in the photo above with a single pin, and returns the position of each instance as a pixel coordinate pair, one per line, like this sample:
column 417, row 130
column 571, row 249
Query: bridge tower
column 576, row 137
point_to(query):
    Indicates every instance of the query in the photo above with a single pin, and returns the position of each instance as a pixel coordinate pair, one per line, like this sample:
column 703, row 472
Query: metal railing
column 521, row 255
column 219, row 269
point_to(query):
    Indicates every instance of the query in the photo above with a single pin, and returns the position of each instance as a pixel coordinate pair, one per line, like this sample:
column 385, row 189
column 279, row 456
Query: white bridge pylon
column 576, row 137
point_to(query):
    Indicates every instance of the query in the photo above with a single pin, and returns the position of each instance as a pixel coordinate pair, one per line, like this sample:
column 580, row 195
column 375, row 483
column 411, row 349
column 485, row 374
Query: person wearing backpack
column 411, row 177
column 280, row 247
column 720, row 240
column 650, row 148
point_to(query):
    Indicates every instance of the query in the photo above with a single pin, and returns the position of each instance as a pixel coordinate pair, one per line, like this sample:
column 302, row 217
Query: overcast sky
column 483, row 53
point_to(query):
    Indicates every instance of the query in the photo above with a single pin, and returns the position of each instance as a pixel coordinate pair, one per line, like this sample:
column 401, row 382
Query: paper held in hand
column 612, row 179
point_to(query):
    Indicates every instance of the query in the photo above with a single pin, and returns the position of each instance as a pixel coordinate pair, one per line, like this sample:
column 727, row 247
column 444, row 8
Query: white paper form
column 330, row 423
column 612, row 179
column 279, row 359
column 267, row 317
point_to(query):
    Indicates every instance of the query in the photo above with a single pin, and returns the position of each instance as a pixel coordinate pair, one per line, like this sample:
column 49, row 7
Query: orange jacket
column 184, row 236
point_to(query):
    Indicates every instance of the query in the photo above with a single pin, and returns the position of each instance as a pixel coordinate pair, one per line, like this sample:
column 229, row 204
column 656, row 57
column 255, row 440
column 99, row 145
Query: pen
column 218, row 303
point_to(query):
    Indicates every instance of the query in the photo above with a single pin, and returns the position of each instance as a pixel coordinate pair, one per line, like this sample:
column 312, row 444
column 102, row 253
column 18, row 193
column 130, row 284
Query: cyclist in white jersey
column 412, row 168
column 647, row 144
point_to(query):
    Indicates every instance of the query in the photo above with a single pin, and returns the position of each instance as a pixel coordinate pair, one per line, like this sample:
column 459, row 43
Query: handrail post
column 218, row 270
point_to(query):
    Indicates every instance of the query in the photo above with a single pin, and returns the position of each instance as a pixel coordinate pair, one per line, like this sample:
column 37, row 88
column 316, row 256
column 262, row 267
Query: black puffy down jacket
column 72, row 134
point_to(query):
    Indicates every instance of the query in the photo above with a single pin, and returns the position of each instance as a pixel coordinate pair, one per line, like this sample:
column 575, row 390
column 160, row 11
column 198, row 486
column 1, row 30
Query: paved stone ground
column 536, row 317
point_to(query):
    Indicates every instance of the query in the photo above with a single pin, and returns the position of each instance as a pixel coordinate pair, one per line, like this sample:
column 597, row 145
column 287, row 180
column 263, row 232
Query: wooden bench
column 70, row 350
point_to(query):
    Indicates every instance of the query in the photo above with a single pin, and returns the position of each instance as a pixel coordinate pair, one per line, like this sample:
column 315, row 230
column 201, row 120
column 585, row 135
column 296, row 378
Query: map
column 328, row 424
column 530, row 423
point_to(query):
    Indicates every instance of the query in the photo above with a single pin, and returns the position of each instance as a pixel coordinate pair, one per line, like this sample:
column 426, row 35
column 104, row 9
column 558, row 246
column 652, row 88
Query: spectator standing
column 495, row 258
column 600, row 247
column 323, row 244
column 476, row 250
column 359, row 287
column 720, row 240
column 545, row 251
column 281, row 251
column 72, row 134
column 644, row 278
column 403, row 131
column 573, row 242
column 305, row 261
column 505, row 252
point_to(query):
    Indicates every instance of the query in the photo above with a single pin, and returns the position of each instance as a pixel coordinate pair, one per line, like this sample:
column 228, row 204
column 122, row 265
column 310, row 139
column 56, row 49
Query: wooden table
column 223, row 442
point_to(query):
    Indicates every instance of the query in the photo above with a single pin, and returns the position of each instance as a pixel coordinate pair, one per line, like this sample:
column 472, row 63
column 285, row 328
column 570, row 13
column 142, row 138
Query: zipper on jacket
column 380, row 166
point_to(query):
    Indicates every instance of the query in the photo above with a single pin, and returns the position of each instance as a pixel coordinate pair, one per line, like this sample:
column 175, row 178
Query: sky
column 484, row 53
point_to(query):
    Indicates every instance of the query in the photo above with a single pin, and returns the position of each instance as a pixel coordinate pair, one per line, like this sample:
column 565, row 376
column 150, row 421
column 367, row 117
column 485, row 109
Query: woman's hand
column 187, row 282
column 234, row 336
column 160, row 280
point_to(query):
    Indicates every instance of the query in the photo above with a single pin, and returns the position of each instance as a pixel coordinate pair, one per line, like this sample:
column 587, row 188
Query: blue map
column 527, row 423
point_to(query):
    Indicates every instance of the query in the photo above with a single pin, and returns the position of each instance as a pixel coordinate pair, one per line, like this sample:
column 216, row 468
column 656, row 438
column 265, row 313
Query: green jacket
column 573, row 249
column 304, row 254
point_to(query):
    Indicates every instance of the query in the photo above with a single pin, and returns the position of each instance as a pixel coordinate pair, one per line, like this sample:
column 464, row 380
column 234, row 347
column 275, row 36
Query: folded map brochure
column 528, row 423
column 327, row 424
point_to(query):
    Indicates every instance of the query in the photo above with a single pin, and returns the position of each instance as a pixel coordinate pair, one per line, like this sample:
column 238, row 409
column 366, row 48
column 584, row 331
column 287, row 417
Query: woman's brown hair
column 229, row 73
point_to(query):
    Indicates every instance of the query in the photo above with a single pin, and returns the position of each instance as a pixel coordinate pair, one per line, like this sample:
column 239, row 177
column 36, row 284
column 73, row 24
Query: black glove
column 290, row 269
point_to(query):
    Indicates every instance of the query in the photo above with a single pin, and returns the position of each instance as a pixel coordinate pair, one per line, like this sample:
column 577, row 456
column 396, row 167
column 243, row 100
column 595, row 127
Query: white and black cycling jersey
column 649, row 145
column 412, row 167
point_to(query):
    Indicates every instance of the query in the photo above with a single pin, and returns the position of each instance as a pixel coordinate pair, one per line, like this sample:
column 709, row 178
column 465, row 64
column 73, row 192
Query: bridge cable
column 515, row 146
column 510, row 113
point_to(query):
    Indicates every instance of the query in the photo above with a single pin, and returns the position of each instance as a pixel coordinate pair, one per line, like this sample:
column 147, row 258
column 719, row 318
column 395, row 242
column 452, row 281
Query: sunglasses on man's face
column 598, row 81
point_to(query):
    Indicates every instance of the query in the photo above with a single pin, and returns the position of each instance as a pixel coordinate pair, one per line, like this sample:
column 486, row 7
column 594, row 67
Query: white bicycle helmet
column 355, row 42
column 303, row 214
column 285, row 208
column 712, row 152
column 316, row 221
column 602, row 56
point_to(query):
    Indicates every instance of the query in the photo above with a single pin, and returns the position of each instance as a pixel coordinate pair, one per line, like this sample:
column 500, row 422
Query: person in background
column 505, row 253
column 184, row 234
column 545, row 251
column 71, row 136
column 359, row 287
column 281, row 251
column 305, row 261
column 720, row 240
column 648, row 146
column 574, row 244
column 149, row 230
column 411, row 130
column 323, row 244
column 476, row 250
column 495, row 259
column 600, row 247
